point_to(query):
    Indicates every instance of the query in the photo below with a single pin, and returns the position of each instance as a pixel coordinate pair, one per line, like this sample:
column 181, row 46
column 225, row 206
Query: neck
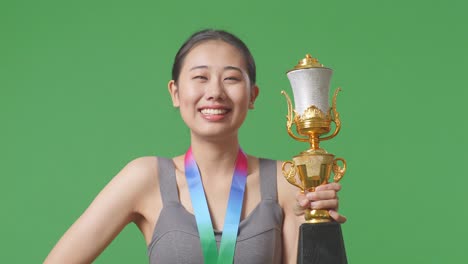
column 215, row 159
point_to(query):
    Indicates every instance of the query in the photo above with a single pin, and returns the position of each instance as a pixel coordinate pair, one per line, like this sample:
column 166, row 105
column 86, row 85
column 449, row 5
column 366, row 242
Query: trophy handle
column 290, row 174
column 290, row 119
column 337, row 170
column 336, row 117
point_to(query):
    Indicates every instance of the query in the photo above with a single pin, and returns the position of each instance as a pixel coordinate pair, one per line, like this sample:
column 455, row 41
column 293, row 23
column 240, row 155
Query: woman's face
column 213, row 91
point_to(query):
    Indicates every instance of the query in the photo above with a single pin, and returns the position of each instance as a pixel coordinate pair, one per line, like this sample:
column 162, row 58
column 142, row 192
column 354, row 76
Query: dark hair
column 212, row 34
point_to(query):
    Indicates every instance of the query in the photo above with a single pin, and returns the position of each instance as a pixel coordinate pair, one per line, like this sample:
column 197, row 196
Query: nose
column 215, row 90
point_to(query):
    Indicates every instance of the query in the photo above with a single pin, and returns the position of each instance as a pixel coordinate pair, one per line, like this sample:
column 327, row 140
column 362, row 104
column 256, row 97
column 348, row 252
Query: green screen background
column 83, row 92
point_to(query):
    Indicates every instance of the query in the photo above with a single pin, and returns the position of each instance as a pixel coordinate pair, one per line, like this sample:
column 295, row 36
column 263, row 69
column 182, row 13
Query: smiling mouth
column 211, row 111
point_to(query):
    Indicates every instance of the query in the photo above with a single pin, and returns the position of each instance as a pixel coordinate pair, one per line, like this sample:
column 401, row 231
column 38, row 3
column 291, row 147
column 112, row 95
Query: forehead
column 214, row 54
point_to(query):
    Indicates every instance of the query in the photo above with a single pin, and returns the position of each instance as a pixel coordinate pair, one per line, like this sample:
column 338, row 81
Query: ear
column 174, row 92
column 253, row 96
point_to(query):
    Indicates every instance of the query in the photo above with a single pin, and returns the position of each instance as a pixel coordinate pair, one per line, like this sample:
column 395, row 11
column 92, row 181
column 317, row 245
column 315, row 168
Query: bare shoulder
column 142, row 166
column 139, row 172
column 142, row 180
column 136, row 180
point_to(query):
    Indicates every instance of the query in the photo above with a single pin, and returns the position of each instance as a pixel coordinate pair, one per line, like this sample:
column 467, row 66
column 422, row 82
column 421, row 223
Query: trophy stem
column 314, row 142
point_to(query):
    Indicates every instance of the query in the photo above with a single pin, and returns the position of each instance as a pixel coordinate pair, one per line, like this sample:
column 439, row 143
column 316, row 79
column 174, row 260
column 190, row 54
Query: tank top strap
column 167, row 181
column 268, row 177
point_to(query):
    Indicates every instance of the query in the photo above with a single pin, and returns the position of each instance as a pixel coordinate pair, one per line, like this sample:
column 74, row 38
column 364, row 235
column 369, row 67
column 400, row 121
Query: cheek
column 241, row 96
column 189, row 95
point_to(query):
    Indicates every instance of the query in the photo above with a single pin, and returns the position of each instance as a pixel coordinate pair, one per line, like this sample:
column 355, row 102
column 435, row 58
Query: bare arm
column 114, row 207
column 294, row 203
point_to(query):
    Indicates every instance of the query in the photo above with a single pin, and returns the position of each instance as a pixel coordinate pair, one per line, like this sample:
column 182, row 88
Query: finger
column 302, row 200
column 337, row 217
column 329, row 186
column 321, row 195
column 325, row 204
column 301, row 204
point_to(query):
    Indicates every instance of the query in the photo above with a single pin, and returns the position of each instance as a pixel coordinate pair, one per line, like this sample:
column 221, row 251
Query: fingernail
column 304, row 202
column 310, row 195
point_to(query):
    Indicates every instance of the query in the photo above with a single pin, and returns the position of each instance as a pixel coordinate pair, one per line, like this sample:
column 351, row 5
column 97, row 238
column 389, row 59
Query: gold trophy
column 320, row 238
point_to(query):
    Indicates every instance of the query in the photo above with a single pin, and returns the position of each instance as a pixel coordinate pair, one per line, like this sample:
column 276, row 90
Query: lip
column 214, row 117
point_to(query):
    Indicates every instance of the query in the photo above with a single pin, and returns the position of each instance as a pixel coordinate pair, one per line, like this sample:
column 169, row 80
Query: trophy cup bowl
column 312, row 115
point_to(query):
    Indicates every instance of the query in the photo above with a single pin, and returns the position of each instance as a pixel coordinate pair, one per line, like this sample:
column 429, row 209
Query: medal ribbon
column 202, row 214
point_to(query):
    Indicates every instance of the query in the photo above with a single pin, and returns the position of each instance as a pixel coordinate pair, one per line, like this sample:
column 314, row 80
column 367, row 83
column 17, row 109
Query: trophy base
column 321, row 243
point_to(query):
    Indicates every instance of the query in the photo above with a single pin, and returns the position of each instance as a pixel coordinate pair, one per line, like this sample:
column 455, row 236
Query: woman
column 213, row 85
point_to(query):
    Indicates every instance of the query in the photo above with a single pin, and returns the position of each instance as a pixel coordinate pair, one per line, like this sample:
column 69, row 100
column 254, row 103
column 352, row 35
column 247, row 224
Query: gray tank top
column 175, row 238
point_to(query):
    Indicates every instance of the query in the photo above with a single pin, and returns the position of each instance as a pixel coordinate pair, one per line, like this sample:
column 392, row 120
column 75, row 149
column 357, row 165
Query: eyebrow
column 198, row 67
column 233, row 68
column 225, row 68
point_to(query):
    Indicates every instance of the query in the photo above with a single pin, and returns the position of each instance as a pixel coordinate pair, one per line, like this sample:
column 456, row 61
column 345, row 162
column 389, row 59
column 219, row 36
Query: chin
column 216, row 133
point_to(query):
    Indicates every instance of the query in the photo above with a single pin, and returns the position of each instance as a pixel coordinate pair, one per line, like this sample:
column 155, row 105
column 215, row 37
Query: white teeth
column 208, row 111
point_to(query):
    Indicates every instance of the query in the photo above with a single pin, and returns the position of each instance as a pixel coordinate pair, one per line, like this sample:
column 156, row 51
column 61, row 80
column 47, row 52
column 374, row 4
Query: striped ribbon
column 202, row 214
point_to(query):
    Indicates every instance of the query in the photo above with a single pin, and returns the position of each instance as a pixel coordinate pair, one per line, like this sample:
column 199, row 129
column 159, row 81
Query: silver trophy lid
column 310, row 82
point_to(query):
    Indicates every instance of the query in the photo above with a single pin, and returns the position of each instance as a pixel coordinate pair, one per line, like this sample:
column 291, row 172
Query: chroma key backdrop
column 83, row 91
